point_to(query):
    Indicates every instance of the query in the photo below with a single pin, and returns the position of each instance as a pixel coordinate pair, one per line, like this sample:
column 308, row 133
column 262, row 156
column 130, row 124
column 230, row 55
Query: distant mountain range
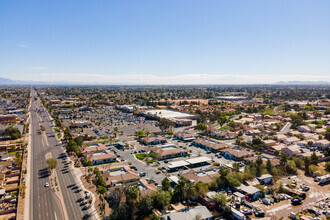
column 6, row 81
column 303, row 83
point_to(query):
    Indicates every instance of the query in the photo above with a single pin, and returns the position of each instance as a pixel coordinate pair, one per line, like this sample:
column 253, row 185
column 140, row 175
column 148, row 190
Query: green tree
column 145, row 205
column 162, row 199
column 327, row 167
column 307, row 162
column 259, row 166
column 166, row 185
column 51, row 164
column 269, row 167
column 164, row 124
column 314, row 158
column 236, row 167
column 132, row 194
column 140, row 134
column 201, row 189
column 327, row 134
column 201, row 127
column 219, row 200
column 222, row 120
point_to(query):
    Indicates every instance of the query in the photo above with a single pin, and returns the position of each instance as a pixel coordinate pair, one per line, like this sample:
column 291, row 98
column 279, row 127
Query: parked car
column 133, row 168
column 246, row 211
column 141, row 174
column 47, row 184
column 296, row 201
column 259, row 213
column 314, row 211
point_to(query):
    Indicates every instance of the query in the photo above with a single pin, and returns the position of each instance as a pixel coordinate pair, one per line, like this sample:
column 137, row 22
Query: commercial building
column 97, row 154
column 123, row 175
column 168, row 151
column 233, row 98
column 211, row 145
column 205, row 175
column 8, row 118
column 185, row 136
column 153, row 140
column 178, row 118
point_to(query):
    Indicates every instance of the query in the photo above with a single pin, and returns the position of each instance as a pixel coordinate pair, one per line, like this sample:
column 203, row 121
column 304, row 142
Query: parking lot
column 106, row 120
column 314, row 195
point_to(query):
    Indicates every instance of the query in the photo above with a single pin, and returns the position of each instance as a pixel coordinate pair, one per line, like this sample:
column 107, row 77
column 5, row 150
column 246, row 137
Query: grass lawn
column 13, row 152
column 59, row 136
column 224, row 128
column 141, row 156
column 56, row 130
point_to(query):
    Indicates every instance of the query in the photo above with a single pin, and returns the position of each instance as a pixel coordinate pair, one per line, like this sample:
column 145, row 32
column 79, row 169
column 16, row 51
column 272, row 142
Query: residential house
column 265, row 179
column 292, row 150
column 252, row 193
column 200, row 212
column 304, row 129
column 322, row 143
column 146, row 188
column 291, row 140
column 269, row 143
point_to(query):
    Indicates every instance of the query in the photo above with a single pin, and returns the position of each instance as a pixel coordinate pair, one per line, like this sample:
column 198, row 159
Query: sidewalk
column 77, row 172
column 28, row 177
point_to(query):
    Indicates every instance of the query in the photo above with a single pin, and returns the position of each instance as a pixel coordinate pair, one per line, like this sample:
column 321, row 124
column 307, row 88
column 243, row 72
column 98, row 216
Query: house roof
column 165, row 152
column 193, row 176
column 236, row 153
column 188, row 214
column 265, row 176
column 250, row 190
column 126, row 177
column 214, row 146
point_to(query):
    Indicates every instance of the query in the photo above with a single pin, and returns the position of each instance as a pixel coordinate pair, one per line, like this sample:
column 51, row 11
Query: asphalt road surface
column 44, row 203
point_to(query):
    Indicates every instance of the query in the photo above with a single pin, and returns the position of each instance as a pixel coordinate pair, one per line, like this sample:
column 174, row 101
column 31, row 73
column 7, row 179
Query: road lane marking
column 55, row 216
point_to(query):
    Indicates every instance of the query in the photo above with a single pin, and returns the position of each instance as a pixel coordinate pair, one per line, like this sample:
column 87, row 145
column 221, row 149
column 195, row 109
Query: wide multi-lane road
column 44, row 204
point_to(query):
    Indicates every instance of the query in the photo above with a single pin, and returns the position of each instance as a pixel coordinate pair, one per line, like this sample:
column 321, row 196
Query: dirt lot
column 283, row 208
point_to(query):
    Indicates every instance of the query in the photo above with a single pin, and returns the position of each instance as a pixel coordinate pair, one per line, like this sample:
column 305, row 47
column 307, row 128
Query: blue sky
column 165, row 42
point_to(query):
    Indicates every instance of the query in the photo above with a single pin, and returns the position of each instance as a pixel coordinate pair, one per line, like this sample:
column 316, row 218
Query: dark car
column 259, row 213
column 314, row 211
column 142, row 174
column 133, row 168
column 296, row 201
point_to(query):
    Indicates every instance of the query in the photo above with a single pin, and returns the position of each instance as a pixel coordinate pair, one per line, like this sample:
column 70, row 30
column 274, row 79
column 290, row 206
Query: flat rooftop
column 198, row 160
column 206, row 172
column 117, row 172
column 176, row 164
column 163, row 113
column 99, row 153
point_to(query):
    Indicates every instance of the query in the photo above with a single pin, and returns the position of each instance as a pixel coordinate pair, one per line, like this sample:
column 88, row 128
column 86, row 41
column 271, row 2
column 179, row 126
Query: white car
column 47, row 184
